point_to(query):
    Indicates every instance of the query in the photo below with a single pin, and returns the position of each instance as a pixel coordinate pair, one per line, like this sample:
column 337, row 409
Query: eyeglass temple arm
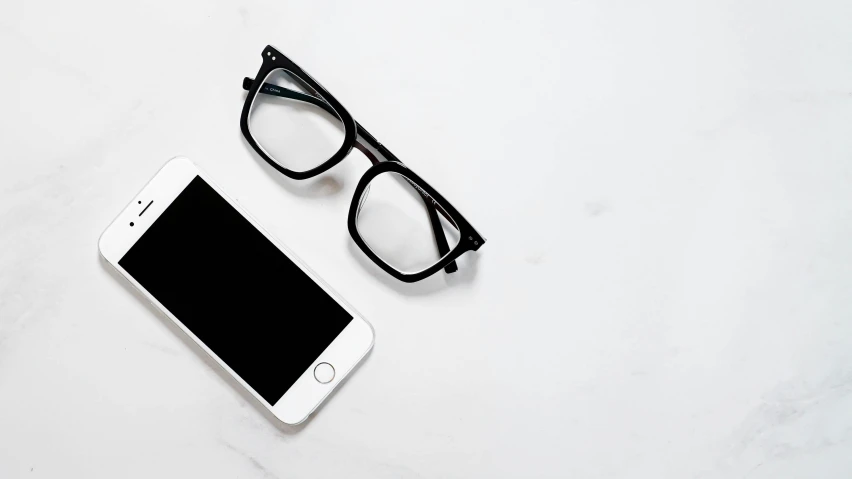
column 431, row 207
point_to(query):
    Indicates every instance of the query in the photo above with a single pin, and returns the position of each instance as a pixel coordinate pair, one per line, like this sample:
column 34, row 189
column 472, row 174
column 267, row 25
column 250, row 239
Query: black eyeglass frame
column 356, row 136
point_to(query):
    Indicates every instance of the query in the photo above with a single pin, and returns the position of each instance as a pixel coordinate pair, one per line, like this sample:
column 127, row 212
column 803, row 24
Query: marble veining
column 664, row 186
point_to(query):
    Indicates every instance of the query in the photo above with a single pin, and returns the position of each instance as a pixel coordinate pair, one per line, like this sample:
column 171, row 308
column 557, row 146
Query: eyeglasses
column 398, row 220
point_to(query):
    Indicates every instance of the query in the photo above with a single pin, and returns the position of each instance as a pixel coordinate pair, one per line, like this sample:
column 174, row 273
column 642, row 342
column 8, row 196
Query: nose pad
column 361, row 201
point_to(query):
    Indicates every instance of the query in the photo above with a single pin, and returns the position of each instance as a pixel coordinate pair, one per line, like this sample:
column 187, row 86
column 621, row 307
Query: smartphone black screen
column 238, row 293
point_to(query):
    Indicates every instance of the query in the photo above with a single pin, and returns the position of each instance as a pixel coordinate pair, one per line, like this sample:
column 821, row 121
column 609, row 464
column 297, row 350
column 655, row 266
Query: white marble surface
column 666, row 189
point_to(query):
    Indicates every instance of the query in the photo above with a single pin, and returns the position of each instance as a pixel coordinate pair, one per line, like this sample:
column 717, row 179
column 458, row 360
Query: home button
column 324, row 373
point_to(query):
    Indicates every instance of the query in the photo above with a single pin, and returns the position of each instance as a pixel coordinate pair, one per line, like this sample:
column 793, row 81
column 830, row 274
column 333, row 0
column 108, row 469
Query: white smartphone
column 247, row 301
